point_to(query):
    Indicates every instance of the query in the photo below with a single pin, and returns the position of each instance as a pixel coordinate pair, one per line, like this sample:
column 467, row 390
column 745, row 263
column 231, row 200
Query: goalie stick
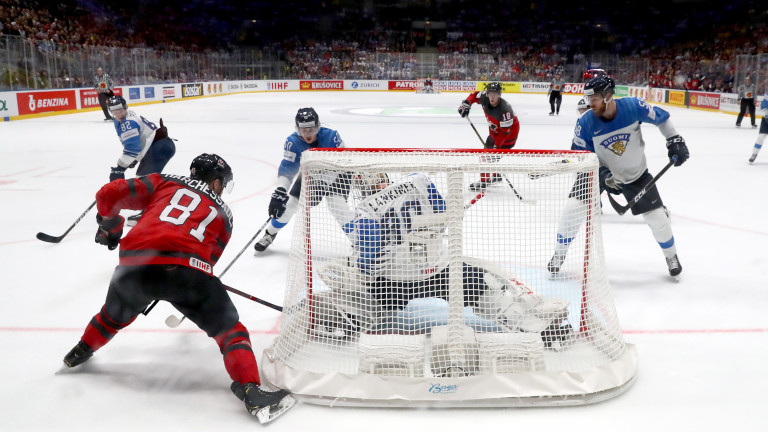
column 621, row 209
column 51, row 239
column 527, row 201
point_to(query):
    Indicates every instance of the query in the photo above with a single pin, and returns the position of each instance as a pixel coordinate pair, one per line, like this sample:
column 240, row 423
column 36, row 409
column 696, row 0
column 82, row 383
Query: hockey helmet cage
column 307, row 118
column 117, row 102
column 600, row 84
column 208, row 167
column 493, row 87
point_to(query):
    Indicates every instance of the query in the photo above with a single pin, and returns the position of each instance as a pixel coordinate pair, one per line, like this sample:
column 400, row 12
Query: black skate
column 483, row 184
column 558, row 337
column 753, row 157
column 675, row 268
column 263, row 404
column 555, row 263
column 78, row 355
column 265, row 241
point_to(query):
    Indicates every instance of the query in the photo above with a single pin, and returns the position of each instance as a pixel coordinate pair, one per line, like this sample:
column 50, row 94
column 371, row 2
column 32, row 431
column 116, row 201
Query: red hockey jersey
column 184, row 221
column 502, row 122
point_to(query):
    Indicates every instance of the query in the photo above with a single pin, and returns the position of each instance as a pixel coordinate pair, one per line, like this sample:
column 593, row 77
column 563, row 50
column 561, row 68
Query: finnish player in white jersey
column 398, row 233
column 612, row 131
column 144, row 144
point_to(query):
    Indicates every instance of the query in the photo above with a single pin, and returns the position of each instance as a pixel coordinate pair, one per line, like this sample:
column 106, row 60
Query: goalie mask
column 370, row 183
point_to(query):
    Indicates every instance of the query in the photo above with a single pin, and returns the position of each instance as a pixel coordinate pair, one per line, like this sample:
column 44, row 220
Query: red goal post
column 406, row 288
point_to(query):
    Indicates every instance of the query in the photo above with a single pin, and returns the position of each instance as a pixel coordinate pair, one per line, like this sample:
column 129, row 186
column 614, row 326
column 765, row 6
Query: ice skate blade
column 267, row 414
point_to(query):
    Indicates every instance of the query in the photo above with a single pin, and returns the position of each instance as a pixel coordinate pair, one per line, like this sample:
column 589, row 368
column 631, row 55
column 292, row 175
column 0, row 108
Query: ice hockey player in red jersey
column 169, row 255
column 502, row 124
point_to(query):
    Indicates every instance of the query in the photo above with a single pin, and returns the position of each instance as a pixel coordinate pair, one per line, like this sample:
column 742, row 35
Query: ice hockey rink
column 702, row 342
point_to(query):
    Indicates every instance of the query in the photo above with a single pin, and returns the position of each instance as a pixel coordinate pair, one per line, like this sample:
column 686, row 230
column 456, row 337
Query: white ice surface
column 702, row 342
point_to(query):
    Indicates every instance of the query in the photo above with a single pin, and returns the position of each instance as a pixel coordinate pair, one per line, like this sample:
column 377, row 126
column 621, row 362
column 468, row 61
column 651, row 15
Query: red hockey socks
column 101, row 329
column 235, row 345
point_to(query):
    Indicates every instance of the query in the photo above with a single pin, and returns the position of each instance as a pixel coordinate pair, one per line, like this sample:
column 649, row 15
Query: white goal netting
column 449, row 278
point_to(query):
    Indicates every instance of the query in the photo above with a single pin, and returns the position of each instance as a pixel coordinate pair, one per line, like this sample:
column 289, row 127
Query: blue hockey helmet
column 307, row 118
column 117, row 102
column 601, row 84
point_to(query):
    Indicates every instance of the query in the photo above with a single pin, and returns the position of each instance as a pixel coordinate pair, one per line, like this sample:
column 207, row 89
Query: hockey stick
column 246, row 246
column 620, row 209
column 172, row 321
column 503, row 175
column 475, row 199
column 51, row 239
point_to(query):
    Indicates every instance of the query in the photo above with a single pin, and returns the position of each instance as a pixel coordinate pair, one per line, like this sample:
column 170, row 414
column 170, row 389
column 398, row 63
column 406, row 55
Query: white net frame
column 491, row 326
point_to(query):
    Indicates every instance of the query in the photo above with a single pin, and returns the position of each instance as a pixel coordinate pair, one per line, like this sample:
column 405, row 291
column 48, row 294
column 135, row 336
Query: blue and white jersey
column 136, row 133
column 295, row 146
column 618, row 143
column 764, row 107
column 398, row 233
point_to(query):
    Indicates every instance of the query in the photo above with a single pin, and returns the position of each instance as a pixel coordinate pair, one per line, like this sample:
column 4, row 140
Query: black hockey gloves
column 110, row 231
column 489, row 143
column 464, row 108
column 607, row 182
column 161, row 132
column 677, row 150
column 278, row 202
column 117, row 172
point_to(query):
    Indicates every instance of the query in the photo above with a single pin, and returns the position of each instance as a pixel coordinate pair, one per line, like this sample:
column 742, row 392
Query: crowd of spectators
column 494, row 40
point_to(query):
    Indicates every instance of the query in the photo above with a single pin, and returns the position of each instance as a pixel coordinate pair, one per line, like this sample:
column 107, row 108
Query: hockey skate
column 264, row 243
column 753, row 157
column 263, row 404
column 483, row 184
column 674, row 267
column 78, row 355
column 133, row 220
column 555, row 263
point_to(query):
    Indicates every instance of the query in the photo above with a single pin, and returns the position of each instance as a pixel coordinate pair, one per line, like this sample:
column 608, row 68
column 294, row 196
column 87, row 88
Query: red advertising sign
column 402, row 85
column 705, row 100
column 46, row 101
column 90, row 98
column 321, row 85
column 573, row 89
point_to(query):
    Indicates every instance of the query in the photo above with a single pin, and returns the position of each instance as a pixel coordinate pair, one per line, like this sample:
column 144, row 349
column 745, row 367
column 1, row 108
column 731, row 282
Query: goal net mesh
column 449, row 278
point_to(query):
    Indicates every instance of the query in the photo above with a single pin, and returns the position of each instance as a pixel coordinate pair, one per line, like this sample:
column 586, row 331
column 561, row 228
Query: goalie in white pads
column 398, row 234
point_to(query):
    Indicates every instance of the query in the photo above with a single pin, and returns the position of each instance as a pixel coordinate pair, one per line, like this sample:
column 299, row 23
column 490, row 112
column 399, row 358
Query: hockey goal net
column 411, row 283
column 427, row 85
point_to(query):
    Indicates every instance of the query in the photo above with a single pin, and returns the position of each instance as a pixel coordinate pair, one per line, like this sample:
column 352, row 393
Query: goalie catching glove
column 464, row 108
column 607, row 182
column 278, row 203
column 110, row 231
column 677, row 150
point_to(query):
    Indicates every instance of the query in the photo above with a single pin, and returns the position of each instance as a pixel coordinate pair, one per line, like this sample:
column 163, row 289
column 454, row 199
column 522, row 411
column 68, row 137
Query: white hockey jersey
column 397, row 232
column 136, row 134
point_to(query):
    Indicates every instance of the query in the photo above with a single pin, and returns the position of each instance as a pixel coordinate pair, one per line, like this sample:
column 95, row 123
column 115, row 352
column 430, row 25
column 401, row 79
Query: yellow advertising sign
column 506, row 87
column 677, row 98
